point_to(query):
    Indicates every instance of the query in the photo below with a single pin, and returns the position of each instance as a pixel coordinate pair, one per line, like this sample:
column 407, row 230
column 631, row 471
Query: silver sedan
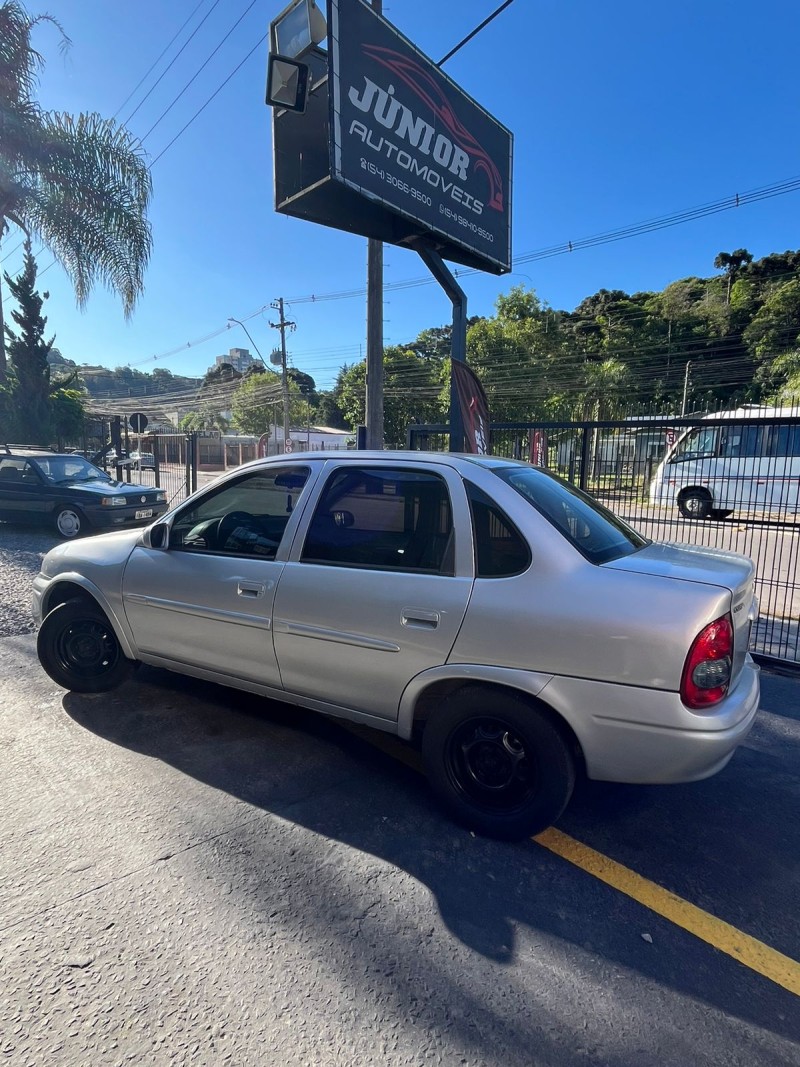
column 521, row 633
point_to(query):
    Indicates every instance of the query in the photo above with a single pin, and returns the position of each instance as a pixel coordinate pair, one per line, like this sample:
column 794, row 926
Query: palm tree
column 78, row 184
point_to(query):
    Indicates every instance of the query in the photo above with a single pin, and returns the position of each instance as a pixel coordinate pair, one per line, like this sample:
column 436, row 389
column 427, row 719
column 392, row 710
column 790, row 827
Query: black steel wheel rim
column 87, row 647
column 490, row 764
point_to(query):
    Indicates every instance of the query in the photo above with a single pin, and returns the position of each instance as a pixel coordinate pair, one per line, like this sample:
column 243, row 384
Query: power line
column 172, row 61
column 199, row 70
column 200, row 110
column 155, row 63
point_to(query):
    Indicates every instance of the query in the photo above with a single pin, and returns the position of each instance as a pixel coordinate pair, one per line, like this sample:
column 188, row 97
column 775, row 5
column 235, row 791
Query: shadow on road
column 730, row 845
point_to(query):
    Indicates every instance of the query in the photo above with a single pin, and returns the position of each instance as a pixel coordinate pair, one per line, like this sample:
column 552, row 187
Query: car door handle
column 251, row 589
column 427, row 620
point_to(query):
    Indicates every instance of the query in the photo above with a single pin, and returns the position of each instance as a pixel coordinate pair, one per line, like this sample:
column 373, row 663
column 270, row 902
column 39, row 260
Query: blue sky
column 621, row 113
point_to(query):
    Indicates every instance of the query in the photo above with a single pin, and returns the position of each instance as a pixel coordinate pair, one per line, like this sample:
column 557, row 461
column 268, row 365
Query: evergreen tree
column 28, row 350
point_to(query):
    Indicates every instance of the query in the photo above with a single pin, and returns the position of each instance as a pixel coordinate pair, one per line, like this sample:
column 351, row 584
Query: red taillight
column 707, row 671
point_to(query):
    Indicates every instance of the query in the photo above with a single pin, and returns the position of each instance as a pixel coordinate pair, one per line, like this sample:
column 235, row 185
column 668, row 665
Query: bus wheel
column 695, row 504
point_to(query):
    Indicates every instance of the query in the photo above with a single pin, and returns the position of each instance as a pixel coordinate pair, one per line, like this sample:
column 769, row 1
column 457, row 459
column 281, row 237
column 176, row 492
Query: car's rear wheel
column 69, row 522
column 78, row 648
column 695, row 504
column 500, row 765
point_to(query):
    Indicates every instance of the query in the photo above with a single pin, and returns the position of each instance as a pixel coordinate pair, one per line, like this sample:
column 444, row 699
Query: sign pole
column 458, row 338
column 375, row 371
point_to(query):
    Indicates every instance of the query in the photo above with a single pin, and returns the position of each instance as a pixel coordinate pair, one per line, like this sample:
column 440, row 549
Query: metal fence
column 731, row 481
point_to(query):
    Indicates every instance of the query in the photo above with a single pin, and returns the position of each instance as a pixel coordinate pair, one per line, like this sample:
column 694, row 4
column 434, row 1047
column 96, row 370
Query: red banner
column 474, row 408
column 538, row 450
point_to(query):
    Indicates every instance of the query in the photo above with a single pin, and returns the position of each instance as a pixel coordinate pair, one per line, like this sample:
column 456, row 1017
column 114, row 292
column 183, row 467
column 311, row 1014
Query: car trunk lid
column 708, row 566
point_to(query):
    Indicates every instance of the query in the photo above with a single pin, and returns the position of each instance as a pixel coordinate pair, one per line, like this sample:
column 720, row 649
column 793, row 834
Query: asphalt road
column 192, row 875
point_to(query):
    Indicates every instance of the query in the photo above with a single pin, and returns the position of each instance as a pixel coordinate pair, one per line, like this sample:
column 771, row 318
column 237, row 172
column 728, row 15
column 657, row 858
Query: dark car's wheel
column 69, row 522
column 695, row 504
column 500, row 766
column 78, row 648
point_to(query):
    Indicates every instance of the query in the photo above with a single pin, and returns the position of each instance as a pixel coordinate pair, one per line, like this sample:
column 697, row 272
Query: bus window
column 697, row 444
column 741, row 442
column 784, row 441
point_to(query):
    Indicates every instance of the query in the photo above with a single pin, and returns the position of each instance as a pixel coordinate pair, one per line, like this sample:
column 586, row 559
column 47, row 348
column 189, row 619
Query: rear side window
column 500, row 549
column 594, row 530
column 385, row 518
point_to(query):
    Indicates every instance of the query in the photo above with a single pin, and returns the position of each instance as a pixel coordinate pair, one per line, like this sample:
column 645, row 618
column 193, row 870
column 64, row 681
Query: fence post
column 194, row 453
column 585, row 456
column 156, row 462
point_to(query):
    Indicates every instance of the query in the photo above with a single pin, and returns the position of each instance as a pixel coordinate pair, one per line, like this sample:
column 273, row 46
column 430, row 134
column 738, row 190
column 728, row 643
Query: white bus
column 728, row 463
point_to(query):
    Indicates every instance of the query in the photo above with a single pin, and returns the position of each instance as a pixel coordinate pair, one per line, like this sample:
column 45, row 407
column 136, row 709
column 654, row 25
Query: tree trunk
column 3, row 368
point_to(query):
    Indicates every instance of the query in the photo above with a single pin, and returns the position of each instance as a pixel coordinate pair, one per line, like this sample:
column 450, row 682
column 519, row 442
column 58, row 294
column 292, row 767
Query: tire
column 500, row 766
column 69, row 522
column 695, row 504
column 78, row 648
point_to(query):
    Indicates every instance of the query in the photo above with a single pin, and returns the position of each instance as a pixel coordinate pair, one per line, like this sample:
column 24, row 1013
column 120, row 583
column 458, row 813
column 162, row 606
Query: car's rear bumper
column 649, row 737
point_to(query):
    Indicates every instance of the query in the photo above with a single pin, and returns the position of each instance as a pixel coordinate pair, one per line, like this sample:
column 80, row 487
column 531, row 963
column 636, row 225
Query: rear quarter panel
column 587, row 622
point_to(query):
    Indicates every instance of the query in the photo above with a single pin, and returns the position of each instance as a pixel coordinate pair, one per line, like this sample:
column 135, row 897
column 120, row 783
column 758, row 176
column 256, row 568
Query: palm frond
column 86, row 197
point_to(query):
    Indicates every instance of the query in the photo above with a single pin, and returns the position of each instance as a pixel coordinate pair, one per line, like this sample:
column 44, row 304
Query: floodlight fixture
column 297, row 29
column 287, row 83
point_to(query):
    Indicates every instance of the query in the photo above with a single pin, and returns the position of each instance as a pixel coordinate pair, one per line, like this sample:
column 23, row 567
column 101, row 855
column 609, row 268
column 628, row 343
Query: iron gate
column 617, row 462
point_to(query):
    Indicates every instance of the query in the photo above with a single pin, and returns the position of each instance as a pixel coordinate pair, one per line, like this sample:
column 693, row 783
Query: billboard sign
column 406, row 137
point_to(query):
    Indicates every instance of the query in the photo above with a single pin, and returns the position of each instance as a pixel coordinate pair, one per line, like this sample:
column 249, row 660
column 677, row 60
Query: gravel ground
column 21, row 552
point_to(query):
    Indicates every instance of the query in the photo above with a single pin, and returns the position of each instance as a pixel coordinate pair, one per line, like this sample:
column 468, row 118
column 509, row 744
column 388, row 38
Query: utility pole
column 374, row 398
column 283, row 326
column 685, row 387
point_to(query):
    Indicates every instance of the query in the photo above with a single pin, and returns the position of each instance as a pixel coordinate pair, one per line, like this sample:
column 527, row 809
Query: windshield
column 592, row 529
column 696, row 444
column 61, row 469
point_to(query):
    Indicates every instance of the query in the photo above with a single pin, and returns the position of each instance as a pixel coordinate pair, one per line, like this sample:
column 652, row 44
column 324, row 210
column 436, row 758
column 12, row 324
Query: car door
column 206, row 600
column 377, row 583
column 24, row 494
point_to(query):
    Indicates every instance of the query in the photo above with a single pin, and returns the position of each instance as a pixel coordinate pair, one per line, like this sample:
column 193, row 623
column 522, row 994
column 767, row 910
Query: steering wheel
column 232, row 521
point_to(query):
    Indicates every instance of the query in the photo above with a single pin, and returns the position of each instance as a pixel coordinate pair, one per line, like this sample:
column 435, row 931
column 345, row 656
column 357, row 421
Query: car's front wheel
column 69, row 522
column 78, row 648
column 499, row 764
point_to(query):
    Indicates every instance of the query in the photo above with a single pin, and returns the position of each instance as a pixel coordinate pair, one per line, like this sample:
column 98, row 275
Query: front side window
column 594, row 530
column 385, row 518
column 243, row 518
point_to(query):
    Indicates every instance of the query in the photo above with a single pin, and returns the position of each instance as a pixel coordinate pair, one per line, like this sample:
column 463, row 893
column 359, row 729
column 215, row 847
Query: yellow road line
column 754, row 954
column 762, row 959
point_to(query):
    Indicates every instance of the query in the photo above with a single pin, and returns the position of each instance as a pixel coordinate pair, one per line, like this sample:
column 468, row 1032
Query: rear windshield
column 592, row 529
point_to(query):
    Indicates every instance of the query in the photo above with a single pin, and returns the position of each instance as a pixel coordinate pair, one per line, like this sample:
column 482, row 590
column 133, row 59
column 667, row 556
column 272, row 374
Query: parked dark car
column 68, row 493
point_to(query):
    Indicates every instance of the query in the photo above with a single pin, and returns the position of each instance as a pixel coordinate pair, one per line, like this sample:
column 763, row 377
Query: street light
column 252, row 342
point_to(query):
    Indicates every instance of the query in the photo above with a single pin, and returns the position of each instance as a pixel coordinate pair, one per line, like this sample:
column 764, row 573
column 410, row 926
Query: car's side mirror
column 156, row 536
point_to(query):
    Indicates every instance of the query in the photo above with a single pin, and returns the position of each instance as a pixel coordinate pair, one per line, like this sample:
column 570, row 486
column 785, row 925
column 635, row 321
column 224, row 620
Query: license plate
column 145, row 513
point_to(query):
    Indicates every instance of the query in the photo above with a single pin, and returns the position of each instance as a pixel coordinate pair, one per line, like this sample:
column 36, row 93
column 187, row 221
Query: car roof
column 456, row 459
column 27, row 450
